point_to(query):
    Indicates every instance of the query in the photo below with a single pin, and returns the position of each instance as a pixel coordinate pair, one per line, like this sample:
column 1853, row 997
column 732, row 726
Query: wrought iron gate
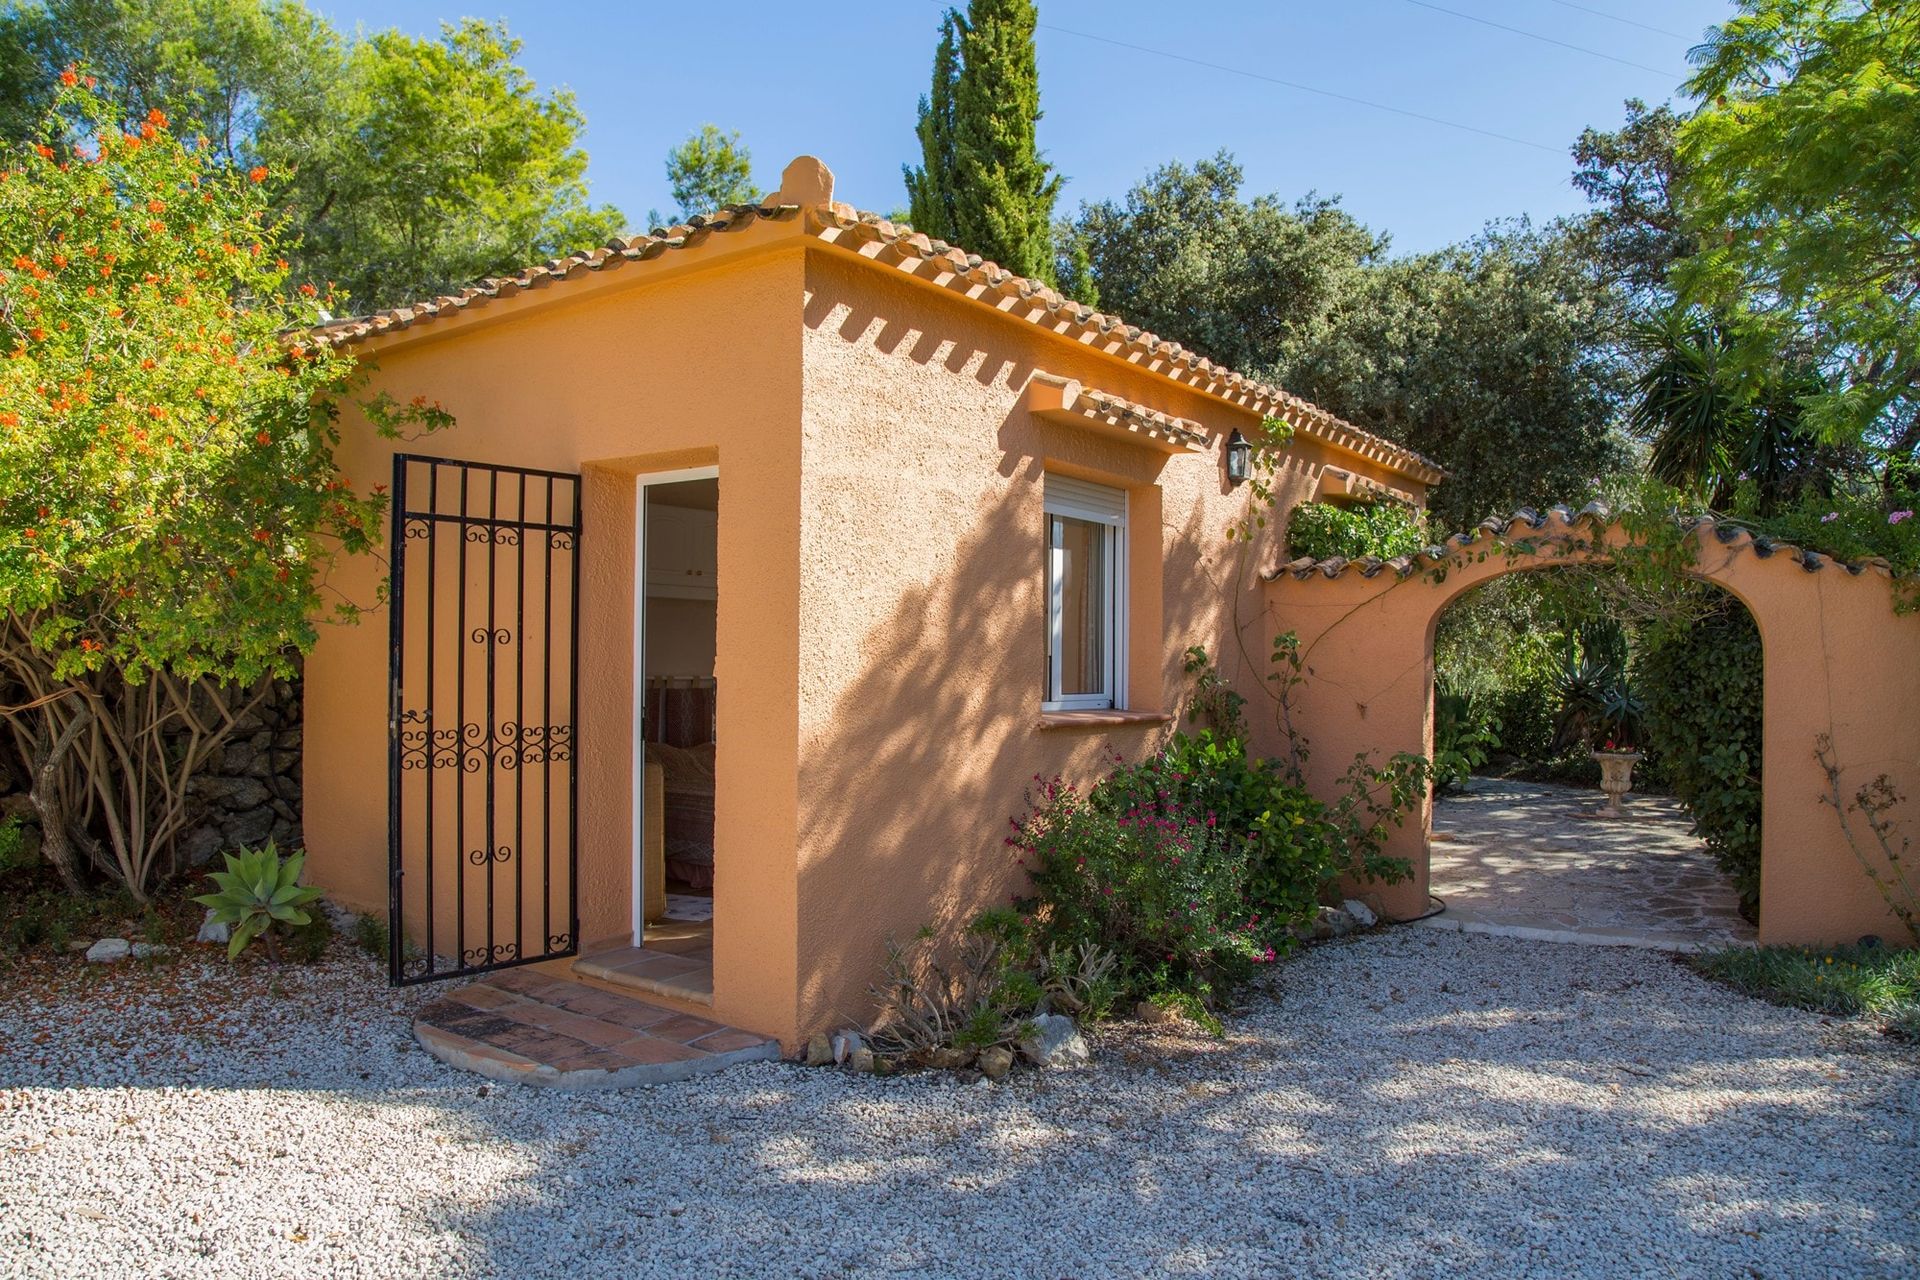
column 482, row 831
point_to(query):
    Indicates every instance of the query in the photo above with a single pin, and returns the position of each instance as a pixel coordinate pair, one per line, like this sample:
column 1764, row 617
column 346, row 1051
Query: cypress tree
column 982, row 182
column 930, row 188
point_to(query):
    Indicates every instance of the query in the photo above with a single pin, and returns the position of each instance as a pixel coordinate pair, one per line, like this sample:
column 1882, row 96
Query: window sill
column 1105, row 719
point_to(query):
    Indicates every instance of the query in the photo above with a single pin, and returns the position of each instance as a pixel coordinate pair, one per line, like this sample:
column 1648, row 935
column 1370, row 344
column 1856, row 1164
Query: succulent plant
column 258, row 892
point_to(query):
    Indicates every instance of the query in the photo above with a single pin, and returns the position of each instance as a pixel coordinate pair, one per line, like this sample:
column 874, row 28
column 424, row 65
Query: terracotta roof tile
column 1066, row 400
column 614, row 254
column 1562, row 521
column 939, row 263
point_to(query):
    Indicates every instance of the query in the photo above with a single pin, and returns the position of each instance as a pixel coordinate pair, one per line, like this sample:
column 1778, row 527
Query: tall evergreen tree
column 982, row 182
column 930, row 187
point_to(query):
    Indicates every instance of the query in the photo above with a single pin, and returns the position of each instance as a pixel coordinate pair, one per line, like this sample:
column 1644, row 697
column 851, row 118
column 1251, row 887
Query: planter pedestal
column 1616, row 778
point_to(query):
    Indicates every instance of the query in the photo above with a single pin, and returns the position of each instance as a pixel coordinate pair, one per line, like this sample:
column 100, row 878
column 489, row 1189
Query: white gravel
column 1413, row 1103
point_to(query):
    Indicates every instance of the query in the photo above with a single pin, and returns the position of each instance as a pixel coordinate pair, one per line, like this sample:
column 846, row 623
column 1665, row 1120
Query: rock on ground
column 1056, row 1042
column 108, row 950
column 1404, row 1103
column 212, row 930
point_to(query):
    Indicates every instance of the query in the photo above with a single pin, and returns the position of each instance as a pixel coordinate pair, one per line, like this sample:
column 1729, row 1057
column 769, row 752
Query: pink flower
column 1897, row 516
column 1830, row 517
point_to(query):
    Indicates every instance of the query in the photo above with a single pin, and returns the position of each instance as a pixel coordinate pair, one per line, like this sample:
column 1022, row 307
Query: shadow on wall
column 923, row 616
column 863, row 324
column 908, row 791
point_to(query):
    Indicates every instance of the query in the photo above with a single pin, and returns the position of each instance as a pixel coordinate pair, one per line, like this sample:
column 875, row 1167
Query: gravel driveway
column 1408, row 1103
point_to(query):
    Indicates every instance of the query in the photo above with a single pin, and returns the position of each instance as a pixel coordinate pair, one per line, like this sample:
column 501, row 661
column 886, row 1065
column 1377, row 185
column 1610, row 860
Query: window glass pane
column 1082, row 592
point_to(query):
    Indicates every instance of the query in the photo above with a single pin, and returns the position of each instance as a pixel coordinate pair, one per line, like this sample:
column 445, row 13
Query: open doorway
column 1554, row 688
column 675, row 714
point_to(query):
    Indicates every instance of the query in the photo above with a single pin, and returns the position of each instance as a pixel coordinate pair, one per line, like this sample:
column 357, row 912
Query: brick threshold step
column 531, row 1028
column 664, row 973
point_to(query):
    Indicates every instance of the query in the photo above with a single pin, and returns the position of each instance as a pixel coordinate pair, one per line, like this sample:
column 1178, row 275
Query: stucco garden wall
column 651, row 369
column 1838, row 661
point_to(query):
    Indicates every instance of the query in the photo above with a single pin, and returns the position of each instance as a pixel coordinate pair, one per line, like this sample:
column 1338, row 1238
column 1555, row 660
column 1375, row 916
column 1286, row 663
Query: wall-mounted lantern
column 1239, row 459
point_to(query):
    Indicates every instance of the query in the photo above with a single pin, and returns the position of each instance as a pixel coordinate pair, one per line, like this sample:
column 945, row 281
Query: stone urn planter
column 1616, row 778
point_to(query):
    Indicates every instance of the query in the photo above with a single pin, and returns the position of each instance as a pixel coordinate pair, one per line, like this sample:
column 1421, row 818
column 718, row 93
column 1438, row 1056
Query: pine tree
column 710, row 170
column 982, row 182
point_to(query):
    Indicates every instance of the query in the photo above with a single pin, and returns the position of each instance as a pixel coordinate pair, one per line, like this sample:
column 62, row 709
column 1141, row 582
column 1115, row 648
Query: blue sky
column 842, row 83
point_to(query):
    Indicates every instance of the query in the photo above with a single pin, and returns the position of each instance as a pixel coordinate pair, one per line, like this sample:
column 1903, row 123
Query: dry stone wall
column 251, row 786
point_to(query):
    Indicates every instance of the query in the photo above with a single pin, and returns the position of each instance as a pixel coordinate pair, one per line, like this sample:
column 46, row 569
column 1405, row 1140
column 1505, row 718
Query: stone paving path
column 1534, row 860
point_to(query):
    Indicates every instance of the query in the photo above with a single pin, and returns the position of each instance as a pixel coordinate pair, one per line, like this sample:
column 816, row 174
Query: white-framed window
column 1086, row 595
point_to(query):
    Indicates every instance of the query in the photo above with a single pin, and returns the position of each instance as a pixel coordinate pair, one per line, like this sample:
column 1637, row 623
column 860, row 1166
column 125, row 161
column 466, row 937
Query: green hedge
column 1702, row 688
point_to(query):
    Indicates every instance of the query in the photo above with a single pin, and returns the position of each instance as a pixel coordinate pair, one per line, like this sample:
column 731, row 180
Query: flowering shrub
column 1200, row 863
column 166, row 468
column 1859, row 527
column 169, row 501
column 1160, row 882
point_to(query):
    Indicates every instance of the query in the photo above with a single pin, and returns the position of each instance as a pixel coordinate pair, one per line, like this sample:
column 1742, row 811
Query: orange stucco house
column 893, row 530
column 769, row 560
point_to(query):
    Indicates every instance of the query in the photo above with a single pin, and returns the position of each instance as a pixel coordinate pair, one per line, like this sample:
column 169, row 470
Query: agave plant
column 1598, row 709
column 259, row 891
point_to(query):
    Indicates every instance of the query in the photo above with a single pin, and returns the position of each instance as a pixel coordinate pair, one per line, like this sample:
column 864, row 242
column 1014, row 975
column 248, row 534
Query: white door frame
column 639, row 868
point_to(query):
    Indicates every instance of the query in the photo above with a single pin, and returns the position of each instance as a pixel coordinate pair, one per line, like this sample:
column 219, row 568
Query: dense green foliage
column 1798, row 181
column 1487, row 357
column 403, row 167
column 708, row 170
column 168, row 494
column 982, row 182
column 1496, row 652
column 1882, row 983
column 1702, row 685
column 1384, row 529
column 1239, row 280
column 1635, row 232
column 1201, row 862
column 1464, row 738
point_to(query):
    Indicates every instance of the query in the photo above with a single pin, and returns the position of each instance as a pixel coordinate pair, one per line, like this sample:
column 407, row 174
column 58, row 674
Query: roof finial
column 806, row 181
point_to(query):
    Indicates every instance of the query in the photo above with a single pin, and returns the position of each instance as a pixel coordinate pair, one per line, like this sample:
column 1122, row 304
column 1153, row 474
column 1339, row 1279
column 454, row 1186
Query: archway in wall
column 1838, row 669
column 1534, row 672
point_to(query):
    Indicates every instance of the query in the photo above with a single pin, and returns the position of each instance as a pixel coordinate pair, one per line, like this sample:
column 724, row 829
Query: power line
column 1501, row 26
column 1614, row 17
column 1303, row 88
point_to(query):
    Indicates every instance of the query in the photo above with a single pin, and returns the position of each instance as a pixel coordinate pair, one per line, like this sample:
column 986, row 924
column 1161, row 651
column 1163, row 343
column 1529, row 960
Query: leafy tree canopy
column 982, row 182
column 1487, row 356
column 448, row 164
column 1798, row 178
column 405, row 167
column 710, row 169
column 1241, row 280
column 1636, row 231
